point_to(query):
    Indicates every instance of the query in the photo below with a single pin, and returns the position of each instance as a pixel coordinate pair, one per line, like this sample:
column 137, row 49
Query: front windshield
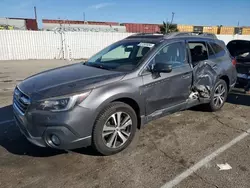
column 122, row 56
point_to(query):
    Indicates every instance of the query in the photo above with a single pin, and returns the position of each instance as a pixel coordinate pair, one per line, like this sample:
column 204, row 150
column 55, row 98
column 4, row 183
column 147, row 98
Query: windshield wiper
column 96, row 65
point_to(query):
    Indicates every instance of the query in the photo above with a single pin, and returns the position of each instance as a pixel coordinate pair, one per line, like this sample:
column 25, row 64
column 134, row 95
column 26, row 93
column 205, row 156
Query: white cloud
column 101, row 5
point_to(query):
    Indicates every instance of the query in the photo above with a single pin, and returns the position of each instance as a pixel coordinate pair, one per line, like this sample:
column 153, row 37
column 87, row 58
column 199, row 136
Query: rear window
column 218, row 50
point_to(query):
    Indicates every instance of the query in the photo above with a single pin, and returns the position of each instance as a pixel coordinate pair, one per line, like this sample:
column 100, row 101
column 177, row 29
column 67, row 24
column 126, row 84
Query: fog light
column 55, row 140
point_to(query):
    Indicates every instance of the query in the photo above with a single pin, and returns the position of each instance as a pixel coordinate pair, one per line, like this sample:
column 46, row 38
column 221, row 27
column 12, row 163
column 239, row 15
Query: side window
column 173, row 54
column 142, row 51
column 218, row 50
column 120, row 52
column 198, row 51
column 211, row 54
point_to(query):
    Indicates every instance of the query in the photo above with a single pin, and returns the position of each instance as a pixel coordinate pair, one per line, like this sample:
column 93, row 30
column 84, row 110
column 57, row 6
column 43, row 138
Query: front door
column 168, row 89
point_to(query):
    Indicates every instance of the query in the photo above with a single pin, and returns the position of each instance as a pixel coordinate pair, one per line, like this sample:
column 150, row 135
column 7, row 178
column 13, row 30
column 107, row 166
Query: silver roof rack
column 174, row 34
column 180, row 34
column 145, row 34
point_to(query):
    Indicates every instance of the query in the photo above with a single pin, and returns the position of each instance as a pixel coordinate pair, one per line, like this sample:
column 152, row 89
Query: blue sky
column 196, row 12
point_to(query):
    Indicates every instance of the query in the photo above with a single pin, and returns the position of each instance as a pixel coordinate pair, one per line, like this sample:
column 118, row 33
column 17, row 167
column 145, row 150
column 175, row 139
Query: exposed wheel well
column 134, row 105
column 226, row 79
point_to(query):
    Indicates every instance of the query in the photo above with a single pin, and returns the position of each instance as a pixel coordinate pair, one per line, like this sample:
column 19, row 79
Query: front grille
column 21, row 100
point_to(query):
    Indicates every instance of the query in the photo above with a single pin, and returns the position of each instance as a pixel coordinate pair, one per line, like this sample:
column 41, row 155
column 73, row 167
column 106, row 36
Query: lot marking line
column 204, row 161
column 7, row 121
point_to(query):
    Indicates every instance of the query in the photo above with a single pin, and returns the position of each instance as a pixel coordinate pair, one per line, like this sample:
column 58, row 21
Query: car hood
column 67, row 80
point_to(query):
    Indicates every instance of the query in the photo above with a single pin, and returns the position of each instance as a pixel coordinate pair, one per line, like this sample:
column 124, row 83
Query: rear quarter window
column 219, row 51
column 210, row 51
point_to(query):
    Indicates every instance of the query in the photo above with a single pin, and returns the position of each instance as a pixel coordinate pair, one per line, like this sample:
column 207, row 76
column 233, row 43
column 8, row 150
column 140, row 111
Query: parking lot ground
column 238, row 176
column 161, row 151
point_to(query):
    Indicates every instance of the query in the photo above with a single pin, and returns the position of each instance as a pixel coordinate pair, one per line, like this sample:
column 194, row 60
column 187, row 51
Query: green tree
column 167, row 27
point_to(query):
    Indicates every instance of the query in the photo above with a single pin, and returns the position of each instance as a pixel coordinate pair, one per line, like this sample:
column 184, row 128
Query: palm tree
column 167, row 27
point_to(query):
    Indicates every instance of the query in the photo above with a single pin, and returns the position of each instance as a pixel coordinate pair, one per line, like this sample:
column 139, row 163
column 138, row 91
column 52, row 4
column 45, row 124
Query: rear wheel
column 114, row 128
column 219, row 96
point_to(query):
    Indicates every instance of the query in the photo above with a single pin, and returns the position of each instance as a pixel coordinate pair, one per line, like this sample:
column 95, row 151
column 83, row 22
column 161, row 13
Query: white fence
column 22, row 45
column 227, row 38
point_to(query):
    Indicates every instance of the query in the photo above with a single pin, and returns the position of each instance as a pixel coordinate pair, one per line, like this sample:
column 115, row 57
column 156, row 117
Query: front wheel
column 114, row 129
column 219, row 96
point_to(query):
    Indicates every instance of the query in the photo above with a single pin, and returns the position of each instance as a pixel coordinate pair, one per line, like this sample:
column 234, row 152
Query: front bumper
column 73, row 128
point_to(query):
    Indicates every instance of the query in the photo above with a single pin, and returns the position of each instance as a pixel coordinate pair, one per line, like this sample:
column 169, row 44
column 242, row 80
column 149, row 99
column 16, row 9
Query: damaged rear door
column 204, row 68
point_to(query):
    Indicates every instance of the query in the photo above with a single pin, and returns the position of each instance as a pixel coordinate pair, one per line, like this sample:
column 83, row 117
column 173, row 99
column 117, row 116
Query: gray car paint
column 168, row 89
column 67, row 80
column 169, row 92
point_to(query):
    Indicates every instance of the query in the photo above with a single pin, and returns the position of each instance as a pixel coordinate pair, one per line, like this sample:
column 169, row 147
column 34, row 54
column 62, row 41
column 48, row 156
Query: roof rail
column 145, row 34
column 174, row 34
column 179, row 34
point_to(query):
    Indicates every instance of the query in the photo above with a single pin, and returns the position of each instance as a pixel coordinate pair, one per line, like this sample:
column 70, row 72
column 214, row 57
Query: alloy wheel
column 219, row 95
column 117, row 130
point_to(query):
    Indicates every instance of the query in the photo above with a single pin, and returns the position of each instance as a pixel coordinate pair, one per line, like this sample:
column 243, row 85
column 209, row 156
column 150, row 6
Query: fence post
column 62, row 41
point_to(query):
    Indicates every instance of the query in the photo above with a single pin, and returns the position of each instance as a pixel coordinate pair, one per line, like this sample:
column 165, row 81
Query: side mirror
column 162, row 67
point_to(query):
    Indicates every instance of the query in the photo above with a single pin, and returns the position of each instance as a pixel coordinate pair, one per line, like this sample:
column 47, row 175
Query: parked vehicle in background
column 103, row 101
column 240, row 50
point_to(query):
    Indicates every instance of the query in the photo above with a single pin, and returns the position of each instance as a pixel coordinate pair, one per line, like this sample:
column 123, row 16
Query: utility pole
column 36, row 17
column 172, row 17
column 35, row 13
column 83, row 14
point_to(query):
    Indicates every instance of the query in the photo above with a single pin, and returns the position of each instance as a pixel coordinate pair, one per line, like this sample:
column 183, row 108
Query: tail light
column 234, row 62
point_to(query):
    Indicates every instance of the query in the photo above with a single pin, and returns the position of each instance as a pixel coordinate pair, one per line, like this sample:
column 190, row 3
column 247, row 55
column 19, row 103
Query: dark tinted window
column 198, row 51
column 171, row 54
column 218, row 50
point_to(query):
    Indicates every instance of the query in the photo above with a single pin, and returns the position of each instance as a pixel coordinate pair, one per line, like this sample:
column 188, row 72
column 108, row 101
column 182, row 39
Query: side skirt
column 170, row 110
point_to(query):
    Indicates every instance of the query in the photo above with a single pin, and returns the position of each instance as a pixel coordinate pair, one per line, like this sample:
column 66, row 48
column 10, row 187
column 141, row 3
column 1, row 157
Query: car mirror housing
column 162, row 68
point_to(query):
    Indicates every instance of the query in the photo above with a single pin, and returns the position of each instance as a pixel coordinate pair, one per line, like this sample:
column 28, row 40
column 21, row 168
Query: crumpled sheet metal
column 205, row 77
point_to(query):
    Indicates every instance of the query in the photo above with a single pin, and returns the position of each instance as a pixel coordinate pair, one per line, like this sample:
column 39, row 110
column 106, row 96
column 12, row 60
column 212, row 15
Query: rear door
column 204, row 64
column 168, row 89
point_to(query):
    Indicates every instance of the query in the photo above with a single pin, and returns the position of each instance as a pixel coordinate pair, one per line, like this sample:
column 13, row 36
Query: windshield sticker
column 150, row 45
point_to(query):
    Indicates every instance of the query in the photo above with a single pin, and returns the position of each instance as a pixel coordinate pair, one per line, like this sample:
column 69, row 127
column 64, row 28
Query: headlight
column 62, row 103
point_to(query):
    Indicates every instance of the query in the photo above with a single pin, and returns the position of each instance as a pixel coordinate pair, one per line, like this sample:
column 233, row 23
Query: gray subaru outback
column 103, row 101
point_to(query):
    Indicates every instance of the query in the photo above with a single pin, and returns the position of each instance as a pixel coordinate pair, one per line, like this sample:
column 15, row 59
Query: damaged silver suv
column 101, row 102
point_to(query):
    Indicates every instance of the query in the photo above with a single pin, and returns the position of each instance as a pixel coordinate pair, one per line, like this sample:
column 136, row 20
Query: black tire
column 98, row 142
column 212, row 105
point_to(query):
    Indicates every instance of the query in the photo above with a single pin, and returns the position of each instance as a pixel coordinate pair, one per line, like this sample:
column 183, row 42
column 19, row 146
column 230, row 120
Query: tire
column 217, row 104
column 108, row 137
